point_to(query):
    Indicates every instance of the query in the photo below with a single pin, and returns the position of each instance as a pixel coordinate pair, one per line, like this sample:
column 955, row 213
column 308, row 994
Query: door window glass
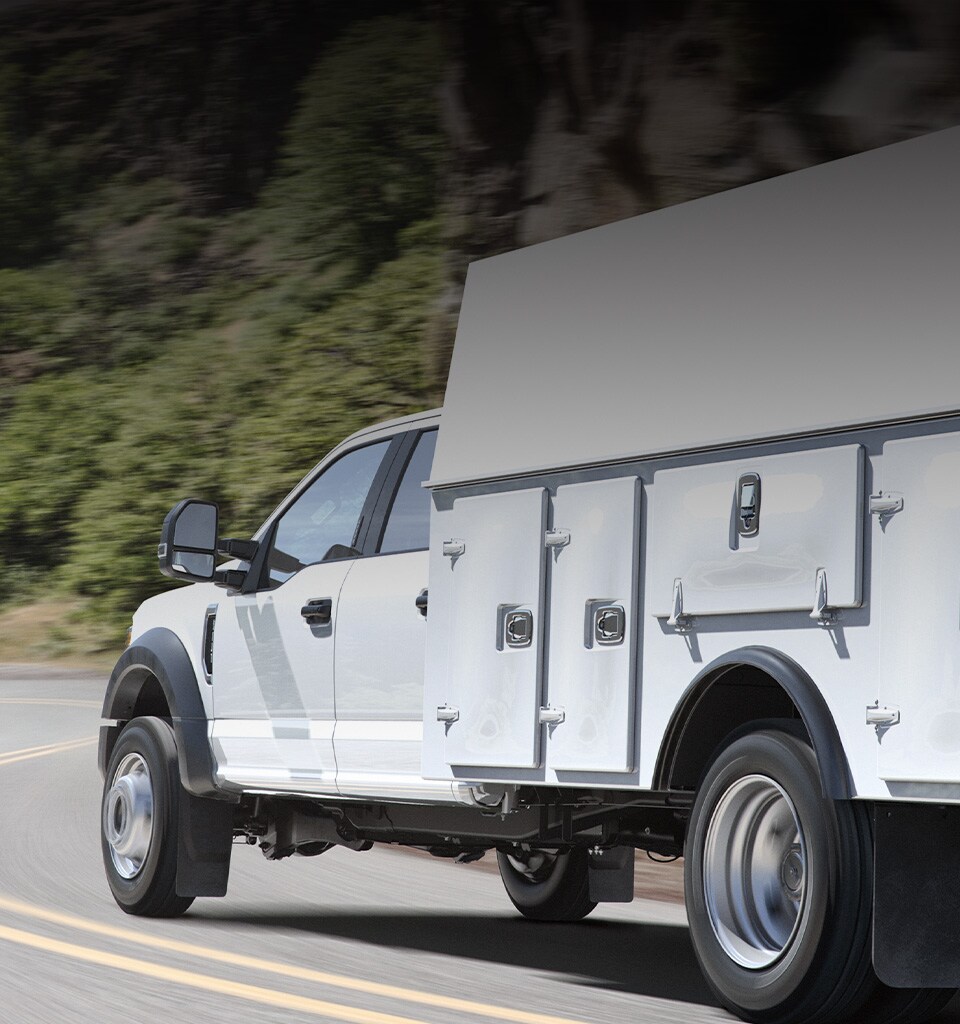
column 323, row 523
column 408, row 524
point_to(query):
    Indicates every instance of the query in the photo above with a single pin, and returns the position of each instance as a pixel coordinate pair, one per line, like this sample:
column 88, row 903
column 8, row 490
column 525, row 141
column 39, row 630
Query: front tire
column 547, row 885
column 139, row 819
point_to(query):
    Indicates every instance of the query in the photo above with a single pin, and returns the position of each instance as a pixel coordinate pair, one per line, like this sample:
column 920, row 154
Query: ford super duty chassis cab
column 676, row 570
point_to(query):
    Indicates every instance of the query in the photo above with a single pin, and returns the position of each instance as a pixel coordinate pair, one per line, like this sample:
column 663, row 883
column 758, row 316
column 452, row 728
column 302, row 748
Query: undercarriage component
column 302, row 830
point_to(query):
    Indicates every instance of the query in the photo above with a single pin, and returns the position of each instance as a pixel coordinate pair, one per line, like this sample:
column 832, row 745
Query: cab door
column 273, row 648
column 381, row 635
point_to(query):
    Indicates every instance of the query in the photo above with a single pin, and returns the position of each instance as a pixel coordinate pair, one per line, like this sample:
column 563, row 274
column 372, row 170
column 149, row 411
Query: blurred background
column 232, row 232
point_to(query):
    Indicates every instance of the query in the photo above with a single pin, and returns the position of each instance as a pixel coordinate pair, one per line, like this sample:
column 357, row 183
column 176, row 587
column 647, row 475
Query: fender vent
column 209, row 623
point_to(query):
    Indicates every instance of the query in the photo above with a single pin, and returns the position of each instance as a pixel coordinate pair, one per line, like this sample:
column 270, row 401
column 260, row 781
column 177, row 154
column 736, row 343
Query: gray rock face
column 569, row 115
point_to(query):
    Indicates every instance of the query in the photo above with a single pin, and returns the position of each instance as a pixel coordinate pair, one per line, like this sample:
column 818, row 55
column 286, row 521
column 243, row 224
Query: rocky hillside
column 232, row 232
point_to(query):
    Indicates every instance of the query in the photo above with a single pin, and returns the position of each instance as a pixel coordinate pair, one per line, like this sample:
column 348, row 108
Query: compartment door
column 495, row 589
column 809, row 518
column 920, row 611
column 591, row 665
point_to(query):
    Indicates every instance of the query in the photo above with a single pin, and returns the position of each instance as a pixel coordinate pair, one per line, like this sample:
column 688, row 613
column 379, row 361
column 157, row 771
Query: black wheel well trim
column 159, row 655
column 799, row 688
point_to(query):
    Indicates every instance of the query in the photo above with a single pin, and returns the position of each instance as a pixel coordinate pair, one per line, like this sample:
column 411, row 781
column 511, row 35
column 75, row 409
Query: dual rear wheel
column 778, row 884
column 547, row 885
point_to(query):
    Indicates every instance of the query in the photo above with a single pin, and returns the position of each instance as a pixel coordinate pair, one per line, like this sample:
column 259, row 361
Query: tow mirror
column 188, row 541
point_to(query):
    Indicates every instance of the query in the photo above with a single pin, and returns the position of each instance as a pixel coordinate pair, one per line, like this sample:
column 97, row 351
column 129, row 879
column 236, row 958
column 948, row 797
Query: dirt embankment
column 48, row 633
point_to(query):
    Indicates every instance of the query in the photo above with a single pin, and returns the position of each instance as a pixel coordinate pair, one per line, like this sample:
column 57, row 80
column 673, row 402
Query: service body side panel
column 920, row 618
column 740, row 591
column 814, row 515
column 823, row 299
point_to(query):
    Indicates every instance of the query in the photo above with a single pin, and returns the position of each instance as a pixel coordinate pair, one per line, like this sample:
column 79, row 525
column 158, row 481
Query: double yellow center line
column 252, row 993
column 239, row 990
column 28, row 753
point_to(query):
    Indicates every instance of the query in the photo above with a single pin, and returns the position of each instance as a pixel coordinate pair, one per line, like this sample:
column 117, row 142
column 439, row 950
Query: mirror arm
column 245, row 550
column 231, row 579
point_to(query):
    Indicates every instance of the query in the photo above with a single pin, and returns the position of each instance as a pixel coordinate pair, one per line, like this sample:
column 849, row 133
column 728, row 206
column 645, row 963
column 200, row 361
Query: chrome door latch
column 748, row 505
column 884, row 505
column 822, row 613
column 518, row 628
column 551, row 716
column 445, row 713
column 609, row 625
column 680, row 621
column 556, row 538
column 882, row 717
column 454, row 548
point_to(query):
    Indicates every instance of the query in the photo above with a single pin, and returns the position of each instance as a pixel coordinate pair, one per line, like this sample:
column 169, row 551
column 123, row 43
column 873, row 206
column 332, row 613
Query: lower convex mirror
column 188, row 541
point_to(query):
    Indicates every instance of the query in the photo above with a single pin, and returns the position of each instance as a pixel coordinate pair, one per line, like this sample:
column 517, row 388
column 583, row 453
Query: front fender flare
column 160, row 654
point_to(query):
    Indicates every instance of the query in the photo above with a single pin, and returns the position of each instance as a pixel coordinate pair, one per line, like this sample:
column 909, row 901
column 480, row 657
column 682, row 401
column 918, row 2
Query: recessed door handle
column 421, row 602
column 318, row 612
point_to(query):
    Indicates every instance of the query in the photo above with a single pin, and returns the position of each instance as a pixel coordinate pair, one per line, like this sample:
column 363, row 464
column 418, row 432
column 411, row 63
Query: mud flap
column 205, row 841
column 916, row 907
column 610, row 874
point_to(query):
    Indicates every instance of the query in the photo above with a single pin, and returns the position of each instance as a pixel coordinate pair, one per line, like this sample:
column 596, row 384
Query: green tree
column 364, row 148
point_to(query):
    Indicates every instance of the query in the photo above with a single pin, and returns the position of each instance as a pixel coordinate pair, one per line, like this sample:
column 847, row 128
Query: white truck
column 677, row 569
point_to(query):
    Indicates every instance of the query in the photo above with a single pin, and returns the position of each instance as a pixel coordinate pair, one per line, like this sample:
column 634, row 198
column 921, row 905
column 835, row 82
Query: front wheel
column 547, row 885
column 139, row 819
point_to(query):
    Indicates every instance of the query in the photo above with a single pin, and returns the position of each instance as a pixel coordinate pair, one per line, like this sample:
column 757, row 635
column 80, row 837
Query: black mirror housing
column 188, row 541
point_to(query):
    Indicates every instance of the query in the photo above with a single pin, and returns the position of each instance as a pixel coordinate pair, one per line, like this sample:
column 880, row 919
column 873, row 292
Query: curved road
column 383, row 937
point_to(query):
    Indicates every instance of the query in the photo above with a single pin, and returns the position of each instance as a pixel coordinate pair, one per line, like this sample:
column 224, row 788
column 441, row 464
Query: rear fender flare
column 799, row 689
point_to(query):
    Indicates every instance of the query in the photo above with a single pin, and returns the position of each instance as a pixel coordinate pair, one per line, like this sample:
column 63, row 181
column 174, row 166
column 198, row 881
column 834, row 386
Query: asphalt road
column 382, row 937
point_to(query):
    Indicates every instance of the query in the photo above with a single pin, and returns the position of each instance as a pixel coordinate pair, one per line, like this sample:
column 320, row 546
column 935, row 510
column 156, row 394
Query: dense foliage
column 208, row 274
column 232, row 232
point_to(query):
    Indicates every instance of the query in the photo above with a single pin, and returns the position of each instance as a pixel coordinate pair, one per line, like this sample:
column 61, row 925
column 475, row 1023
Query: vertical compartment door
column 592, row 656
column 920, row 610
column 494, row 567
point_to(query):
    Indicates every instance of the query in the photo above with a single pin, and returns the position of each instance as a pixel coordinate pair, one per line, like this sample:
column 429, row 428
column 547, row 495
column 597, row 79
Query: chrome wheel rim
column 128, row 816
column 755, row 872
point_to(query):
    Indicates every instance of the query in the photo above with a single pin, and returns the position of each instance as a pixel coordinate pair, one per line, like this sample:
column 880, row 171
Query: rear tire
column 545, row 885
column 139, row 820
column 778, row 883
column 779, row 888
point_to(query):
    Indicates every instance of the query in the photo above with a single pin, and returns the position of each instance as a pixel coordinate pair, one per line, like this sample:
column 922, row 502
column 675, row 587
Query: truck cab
column 317, row 658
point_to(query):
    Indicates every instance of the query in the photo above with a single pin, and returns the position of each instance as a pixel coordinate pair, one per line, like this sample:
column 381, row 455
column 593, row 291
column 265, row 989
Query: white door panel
column 810, row 518
column 382, row 759
column 379, row 680
column 380, row 639
column 276, row 754
column 271, row 666
column 920, row 611
column 592, row 577
column 495, row 687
